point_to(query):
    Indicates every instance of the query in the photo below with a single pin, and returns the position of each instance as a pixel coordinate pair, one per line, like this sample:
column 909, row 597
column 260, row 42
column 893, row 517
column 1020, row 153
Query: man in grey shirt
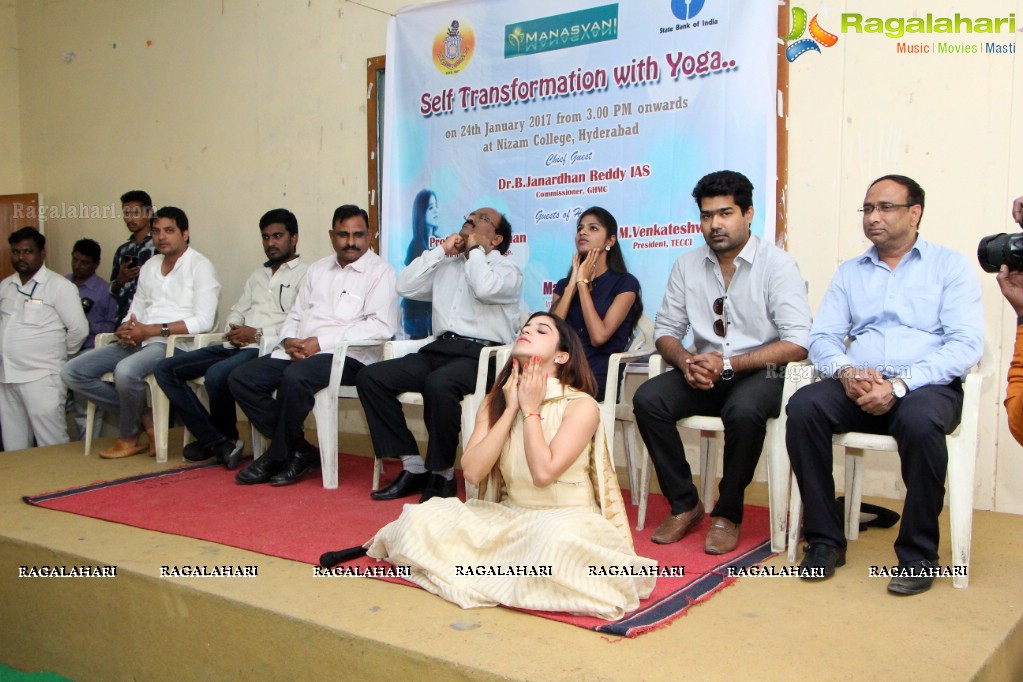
column 745, row 302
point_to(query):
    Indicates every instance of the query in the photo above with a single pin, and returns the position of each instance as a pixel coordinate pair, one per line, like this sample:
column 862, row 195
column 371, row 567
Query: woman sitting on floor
column 600, row 300
column 538, row 450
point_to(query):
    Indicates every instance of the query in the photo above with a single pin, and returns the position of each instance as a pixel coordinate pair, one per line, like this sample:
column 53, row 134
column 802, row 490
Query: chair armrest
column 397, row 349
column 657, row 365
column 105, row 339
column 175, row 341
column 337, row 365
column 208, row 339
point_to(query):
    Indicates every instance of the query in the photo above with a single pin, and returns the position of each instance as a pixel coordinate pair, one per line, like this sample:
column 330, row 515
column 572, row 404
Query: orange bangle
column 533, row 414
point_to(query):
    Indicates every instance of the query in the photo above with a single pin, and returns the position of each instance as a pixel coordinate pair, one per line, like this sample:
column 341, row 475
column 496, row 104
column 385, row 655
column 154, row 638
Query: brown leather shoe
column 722, row 537
column 125, row 447
column 675, row 527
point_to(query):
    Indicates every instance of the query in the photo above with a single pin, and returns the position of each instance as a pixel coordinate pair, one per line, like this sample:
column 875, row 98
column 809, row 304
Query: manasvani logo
column 818, row 36
column 560, row 31
column 686, row 9
column 453, row 48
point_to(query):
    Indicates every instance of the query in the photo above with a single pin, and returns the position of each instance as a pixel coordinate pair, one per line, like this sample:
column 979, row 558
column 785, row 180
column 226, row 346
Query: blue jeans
column 127, row 394
column 215, row 363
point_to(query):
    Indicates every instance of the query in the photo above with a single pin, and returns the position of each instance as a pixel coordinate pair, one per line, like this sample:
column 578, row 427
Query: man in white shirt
column 41, row 323
column 177, row 293
column 268, row 296
column 475, row 292
column 745, row 302
column 346, row 297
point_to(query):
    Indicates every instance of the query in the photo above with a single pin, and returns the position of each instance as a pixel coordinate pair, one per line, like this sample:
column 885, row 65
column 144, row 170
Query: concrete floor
column 286, row 624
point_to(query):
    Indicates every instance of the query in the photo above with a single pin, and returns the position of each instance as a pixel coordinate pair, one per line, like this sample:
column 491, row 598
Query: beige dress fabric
column 565, row 547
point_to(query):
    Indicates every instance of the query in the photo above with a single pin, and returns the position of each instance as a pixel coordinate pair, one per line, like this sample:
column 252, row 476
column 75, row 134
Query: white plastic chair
column 797, row 374
column 962, row 461
column 470, row 403
column 159, row 401
column 617, row 404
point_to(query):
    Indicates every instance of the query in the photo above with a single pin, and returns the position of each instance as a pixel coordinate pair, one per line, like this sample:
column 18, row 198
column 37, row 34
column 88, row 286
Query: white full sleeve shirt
column 189, row 292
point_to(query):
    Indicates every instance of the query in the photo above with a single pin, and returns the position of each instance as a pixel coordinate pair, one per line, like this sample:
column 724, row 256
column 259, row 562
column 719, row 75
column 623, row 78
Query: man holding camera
column 911, row 312
column 1011, row 284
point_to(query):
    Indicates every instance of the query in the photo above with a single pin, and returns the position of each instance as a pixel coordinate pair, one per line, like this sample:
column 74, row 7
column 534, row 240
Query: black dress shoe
column 299, row 464
column 260, row 471
column 406, row 484
column 229, row 453
column 820, row 562
column 438, row 486
column 913, row 577
column 194, row 452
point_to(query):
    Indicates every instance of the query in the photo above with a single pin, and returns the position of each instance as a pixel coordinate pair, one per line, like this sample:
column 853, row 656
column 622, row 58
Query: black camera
column 997, row 250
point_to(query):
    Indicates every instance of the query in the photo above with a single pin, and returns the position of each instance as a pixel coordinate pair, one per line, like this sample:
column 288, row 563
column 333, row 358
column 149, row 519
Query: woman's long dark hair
column 420, row 230
column 575, row 373
column 615, row 258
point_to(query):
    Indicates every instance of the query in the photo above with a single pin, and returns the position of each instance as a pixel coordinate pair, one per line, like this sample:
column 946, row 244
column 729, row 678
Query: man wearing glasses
column 745, row 302
column 912, row 313
column 266, row 300
column 475, row 293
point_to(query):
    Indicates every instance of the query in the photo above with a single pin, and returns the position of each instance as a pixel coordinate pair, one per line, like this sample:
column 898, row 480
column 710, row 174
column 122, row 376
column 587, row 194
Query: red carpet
column 302, row 521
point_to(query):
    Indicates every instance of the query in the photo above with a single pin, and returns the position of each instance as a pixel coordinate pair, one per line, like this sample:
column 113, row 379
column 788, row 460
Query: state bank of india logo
column 817, row 36
column 686, row 9
column 453, row 48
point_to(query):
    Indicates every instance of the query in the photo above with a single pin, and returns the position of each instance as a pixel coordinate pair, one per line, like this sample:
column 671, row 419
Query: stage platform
column 286, row 624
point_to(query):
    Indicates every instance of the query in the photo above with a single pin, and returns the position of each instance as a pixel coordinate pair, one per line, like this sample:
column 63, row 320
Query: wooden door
column 16, row 211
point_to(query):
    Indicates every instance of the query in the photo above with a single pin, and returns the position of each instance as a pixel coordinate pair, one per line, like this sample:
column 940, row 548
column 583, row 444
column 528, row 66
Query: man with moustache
column 912, row 313
column 137, row 211
column 266, row 300
column 177, row 293
column 745, row 302
column 346, row 297
column 41, row 324
column 475, row 293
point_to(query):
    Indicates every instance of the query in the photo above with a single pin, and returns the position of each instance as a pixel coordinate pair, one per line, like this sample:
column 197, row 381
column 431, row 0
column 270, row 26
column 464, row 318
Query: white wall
column 229, row 108
column 10, row 119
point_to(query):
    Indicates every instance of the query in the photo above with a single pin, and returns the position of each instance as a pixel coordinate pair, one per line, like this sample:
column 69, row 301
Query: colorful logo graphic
column 817, row 35
column 686, row 9
column 561, row 31
column 453, row 48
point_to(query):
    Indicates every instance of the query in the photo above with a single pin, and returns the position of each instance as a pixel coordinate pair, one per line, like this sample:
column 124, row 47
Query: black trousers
column 281, row 418
column 443, row 373
column 744, row 405
column 918, row 423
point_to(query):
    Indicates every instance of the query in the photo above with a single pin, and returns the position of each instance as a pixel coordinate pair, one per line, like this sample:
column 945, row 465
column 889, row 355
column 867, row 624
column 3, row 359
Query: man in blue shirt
column 911, row 311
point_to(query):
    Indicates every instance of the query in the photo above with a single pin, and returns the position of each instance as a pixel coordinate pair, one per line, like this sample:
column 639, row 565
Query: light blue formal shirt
column 922, row 321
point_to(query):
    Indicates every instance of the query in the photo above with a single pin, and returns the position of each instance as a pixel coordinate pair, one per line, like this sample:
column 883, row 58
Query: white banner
column 542, row 109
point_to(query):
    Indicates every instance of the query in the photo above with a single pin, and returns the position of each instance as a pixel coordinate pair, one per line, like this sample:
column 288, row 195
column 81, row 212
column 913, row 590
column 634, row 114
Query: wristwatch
column 899, row 388
column 164, row 329
column 258, row 336
column 726, row 371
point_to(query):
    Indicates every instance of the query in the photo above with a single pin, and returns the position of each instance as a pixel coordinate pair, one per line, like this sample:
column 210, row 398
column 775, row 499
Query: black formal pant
column 444, row 373
column 744, row 405
column 918, row 423
column 296, row 382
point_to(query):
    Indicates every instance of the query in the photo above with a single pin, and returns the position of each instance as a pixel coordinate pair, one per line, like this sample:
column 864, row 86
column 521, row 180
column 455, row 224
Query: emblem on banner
column 686, row 9
column 817, row 36
column 453, row 48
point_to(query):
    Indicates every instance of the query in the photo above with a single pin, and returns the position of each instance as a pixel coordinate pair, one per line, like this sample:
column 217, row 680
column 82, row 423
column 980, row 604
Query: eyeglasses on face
column 473, row 217
column 720, row 324
column 882, row 207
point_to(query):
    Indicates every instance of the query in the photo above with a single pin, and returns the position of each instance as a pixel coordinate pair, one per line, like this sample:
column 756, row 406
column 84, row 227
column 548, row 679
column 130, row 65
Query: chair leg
column 778, row 473
column 378, row 468
column 258, row 442
column 325, row 416
column 795, row 519
column 644, row 488
column 90, row 425
column 961, row 466
column 161, row 417
column 708, row 466
column 853, row 491
column 633, row 451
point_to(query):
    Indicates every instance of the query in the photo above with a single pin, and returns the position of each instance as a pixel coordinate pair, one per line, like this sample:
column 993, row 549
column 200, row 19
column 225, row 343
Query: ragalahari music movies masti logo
column 818, row 36
column 453, row 47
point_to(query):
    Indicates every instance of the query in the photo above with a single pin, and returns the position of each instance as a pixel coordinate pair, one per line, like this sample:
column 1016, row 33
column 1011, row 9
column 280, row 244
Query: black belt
column 482, row 342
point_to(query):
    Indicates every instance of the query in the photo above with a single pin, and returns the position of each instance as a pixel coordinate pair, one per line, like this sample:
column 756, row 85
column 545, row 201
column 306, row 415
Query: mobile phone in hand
column 130, row 261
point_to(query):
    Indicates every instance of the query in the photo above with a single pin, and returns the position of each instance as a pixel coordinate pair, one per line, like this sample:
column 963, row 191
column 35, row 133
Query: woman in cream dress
column 549, row 532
